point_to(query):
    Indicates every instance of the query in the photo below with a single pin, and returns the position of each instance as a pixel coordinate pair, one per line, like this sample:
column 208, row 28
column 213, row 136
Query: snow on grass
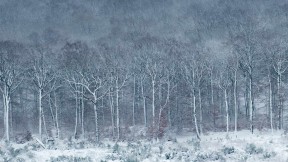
column 214, row 146
column 93, row 153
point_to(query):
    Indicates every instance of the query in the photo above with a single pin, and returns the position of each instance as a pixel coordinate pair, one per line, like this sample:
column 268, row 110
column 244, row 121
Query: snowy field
column 242, row 146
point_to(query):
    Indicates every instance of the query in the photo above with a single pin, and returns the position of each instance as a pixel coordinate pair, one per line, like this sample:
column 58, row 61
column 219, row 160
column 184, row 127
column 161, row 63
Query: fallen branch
column 39, row 142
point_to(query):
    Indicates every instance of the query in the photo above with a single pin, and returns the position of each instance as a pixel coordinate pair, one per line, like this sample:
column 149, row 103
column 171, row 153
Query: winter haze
column 143, row 80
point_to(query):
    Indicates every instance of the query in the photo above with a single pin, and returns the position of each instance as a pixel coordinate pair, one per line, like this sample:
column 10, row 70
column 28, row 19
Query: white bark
column 56, row 116
column 52, row 114
column 270, row 102
column 200, row 109
column 212, row 97
column 251, row 111
column 40, row 112
column 6, row 104
column 162, row 107
column 96, row 117
column 76, row 115
column 117, row 109
column 144, row 103
column 134, row 95
column 153, row 102
column 194, row 104
column 82, row 112
column 195, row 116
column 112, row 113
column 227, row 110
column 235, row 101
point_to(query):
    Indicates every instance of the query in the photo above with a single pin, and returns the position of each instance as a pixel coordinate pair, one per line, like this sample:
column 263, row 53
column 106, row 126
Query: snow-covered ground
column 214, row 146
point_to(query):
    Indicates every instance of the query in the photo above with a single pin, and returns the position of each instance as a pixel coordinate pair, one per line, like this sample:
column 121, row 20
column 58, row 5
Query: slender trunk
column 279, row 98
column 200, row 109
column 134, row 94
column 270, row 102
column 103, row 111
column 117, row 110
column 76, row 115
column 212, row 99
column 112, row 112
column 56, row 115
column 44, row 123
column 195, row 115
column 163, row 107
column 96, row 117
column 11, row 119
column 235, row 101
column 51, row 111
column 194, row 104
column 227, row 110
column 144, row 103
column 6, row 101
column 169, row 117
column 246, row 95
column 82, row 112
column 153, row 102
column 40, row 111
column 251, row 111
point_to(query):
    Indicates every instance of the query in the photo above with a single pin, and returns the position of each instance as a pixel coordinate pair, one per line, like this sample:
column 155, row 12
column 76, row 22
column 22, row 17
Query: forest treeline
column 101, row 67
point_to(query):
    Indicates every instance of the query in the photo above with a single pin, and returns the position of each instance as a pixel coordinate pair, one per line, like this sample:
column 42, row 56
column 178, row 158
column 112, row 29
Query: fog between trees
column 96, row 68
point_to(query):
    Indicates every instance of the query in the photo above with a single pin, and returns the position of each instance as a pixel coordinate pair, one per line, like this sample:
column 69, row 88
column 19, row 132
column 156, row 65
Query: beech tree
column 44, row 78
column 75, row 59
column 190, row 70
column 10, row 76
column 224, row 84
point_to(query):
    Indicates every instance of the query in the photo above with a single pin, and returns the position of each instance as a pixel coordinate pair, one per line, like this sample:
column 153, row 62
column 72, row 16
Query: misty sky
column 204, row 21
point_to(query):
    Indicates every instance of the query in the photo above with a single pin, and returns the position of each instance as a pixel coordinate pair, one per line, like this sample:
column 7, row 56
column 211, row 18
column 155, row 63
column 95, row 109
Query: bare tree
column 44, row 78
column 10, row 76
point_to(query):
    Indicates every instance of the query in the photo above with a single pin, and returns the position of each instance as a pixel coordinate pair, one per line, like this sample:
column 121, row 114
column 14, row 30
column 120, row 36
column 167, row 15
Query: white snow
column 241, row 146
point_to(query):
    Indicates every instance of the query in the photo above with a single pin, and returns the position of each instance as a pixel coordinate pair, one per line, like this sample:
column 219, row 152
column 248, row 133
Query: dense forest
column 99, row 68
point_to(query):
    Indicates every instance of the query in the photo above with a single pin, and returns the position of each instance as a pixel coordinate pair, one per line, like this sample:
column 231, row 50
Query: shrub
column 228, row 150
column 267, row 155
column 252, row 149
column 213, row 156
column 14, row 152
column 195, row 143
column 116, row 148
column 131, row 159
column 110, row 158
column 70, row 158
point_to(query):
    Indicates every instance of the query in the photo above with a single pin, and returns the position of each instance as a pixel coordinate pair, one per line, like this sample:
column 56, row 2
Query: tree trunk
column 246, row 95
column 56, row 115
column 96, row 117
column 251, row 111
column 103, row 111
column 235, row 101
column 212, row 99
column 112, row 113
column 76, row 115
column 44, row 123
column 40, row 112
column 144, row 103
column 195, row 115
column 82, row 113
column 117, row 110
column 227, row 110
column 270, row 102
column 163, row 107
column 279, row 98
column 51, row 111
column 153, row 102
column 134, row 94
column 6, row 101
column 200, row 109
